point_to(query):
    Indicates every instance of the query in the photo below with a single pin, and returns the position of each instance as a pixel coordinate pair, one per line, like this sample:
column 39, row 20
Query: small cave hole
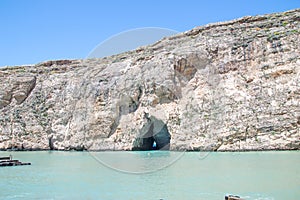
column 154, row 146
column 154, row 135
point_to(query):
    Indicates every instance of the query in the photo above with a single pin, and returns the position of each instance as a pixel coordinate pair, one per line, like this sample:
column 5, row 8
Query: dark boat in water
column 8, row 161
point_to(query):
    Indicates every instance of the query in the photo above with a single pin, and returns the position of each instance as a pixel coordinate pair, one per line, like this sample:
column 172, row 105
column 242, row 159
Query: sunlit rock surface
column 228, row 86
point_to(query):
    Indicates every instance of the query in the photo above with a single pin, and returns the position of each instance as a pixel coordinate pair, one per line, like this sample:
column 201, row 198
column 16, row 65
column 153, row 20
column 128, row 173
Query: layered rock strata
column 230, row 86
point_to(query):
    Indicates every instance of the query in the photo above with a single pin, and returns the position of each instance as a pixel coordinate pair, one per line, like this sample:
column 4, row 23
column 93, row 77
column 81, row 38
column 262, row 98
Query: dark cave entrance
column 153, row 136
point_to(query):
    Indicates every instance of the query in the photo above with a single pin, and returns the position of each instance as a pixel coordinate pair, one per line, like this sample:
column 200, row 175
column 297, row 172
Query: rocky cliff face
column 225, row 86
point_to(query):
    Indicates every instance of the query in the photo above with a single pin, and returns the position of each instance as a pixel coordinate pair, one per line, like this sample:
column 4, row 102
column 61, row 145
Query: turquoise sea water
column 152, row 175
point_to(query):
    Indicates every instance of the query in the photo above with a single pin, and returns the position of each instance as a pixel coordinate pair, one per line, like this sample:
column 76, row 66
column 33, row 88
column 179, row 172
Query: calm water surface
column 152, row 175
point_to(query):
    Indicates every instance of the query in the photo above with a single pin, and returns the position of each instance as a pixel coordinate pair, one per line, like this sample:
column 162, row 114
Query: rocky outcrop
column 16, row 88
column 228, row 86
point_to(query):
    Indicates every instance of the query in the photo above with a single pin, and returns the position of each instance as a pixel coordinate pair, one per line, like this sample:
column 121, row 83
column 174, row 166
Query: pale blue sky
column 33, row 31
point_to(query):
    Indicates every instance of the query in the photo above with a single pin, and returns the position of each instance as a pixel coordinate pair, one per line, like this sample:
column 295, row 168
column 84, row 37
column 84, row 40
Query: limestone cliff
column 224, row 86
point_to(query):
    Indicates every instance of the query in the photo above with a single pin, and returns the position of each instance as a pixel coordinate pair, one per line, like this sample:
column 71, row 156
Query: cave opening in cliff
column 154, row 147
column 154, row 135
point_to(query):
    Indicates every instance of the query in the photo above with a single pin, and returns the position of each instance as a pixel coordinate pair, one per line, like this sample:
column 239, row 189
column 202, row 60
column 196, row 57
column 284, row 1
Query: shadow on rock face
column 154, row 135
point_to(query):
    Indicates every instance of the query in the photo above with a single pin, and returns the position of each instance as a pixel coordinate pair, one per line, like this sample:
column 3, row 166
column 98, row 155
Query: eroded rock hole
column 154, row 135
